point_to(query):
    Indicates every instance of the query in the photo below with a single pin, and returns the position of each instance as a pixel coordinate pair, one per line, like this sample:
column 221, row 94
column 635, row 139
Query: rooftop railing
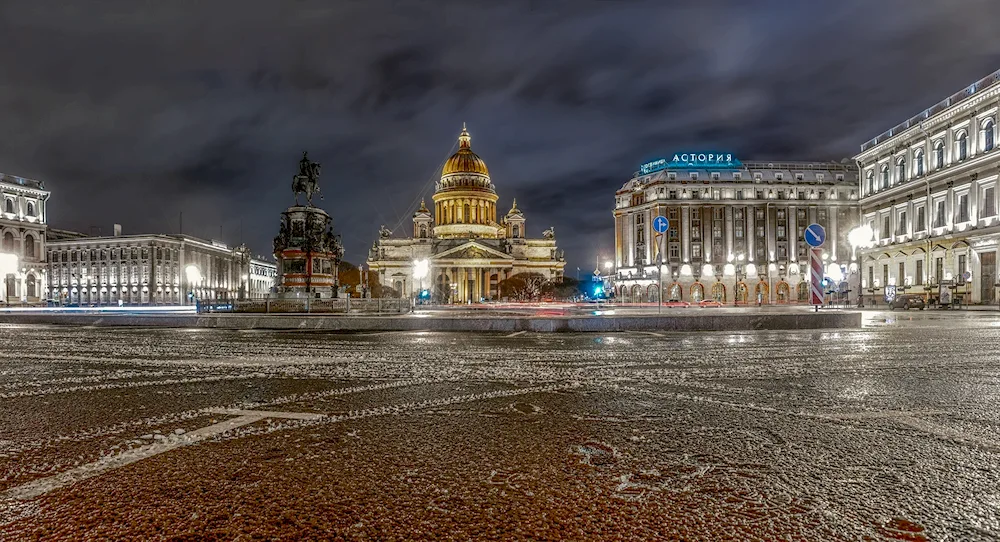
column 978, row 86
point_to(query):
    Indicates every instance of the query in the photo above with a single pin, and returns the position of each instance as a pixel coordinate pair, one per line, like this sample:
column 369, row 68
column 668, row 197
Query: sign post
column 815, row 236
column 660, row 226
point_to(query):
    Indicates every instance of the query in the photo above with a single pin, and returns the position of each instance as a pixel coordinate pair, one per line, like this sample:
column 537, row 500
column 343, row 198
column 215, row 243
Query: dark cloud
column 134, row 112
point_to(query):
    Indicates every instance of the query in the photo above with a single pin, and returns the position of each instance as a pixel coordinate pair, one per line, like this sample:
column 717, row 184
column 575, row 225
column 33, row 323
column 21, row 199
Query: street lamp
column 8, row 266
column 420, row 270
column 193, row 276
column 861, row 237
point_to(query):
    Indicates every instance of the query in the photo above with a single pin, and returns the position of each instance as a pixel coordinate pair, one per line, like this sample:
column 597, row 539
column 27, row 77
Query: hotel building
column 735, row 229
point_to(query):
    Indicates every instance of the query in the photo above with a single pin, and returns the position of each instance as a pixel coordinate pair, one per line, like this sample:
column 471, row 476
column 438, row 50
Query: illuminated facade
column 929, row 194
column 733, row 227
column 469, row 249
column 23, row 218
column 151, row 270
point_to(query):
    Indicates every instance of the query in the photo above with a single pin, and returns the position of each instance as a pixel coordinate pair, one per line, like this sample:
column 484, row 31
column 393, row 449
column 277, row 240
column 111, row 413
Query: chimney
column 118, row 230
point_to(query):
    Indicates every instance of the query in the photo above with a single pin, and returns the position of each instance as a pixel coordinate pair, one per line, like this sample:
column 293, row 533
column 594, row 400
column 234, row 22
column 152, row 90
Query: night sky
column 138, row 111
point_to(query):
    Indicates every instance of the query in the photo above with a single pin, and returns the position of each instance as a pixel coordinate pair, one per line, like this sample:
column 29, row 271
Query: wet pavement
column 891, row 432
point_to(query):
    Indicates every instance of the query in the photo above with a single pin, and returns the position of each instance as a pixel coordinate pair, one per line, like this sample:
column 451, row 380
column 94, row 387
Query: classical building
column 929, row 195
column 151, row 269
column 466, row 248
column 733, row 227
column 23, row 218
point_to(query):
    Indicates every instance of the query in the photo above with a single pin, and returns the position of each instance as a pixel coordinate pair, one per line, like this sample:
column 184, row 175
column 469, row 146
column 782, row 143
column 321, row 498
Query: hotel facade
column 735, row 229
column 23, row 223
column 929, row 195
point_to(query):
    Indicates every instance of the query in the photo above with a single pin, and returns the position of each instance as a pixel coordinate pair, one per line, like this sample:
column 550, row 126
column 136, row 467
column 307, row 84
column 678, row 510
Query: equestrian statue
column 307, row 181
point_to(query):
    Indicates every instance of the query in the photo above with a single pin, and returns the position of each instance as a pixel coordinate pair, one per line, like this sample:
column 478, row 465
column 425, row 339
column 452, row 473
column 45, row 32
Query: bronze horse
column 307, row 181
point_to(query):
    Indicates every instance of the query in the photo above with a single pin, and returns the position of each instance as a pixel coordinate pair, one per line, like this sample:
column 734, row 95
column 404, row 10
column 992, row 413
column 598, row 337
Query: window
column 918, row 162
column 672, row 194
column 921, row 224
column 885, row 227
column 696, row 251
column 962, row 145
column 715, row 176
column 919, row 278
column 871, row 277
column 781, row 232
column 779, row 176
column 900, row 170
column 871, row 182
column 885, row 177
column 988, row 135
column 885, row 274
column 939, row 218
column 694, row 175
column 961, row 268
column 31, row 209
column 8, row 242
column 939, row 269
column 901, row 223
column 989, row 207
column 737, row 176
column 9, row 206
column 962, row 212
column 939, row 154
column 901, row 279
column 799, row 176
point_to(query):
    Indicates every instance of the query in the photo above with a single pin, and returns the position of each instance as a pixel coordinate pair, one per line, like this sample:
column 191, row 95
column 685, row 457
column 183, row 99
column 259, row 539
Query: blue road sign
column 815, row 235
column 661, row 224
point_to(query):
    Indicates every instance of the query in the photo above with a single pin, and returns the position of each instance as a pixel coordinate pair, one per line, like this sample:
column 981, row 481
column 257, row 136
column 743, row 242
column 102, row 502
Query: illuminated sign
column 684, row 160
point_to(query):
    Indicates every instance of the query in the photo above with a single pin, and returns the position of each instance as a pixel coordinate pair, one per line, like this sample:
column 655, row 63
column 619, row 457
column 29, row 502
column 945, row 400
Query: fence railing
column 299, row 306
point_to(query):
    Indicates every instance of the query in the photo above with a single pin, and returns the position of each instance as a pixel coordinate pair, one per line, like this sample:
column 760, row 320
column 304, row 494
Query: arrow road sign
column 661, row 224
column 815, row 235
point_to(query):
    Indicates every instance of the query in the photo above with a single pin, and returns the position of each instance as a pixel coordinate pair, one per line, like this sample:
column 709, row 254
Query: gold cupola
column 464, row 198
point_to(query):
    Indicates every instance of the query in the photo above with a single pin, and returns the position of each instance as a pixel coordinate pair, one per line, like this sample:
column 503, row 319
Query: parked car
column 709, row 303
column 908, row 301
column 676, row 304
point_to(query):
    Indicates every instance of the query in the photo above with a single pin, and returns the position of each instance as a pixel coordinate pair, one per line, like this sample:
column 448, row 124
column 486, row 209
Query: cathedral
column 460, row 252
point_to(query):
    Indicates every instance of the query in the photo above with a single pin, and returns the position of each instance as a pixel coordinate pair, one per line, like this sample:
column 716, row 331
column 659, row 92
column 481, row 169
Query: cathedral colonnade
column 460, row 284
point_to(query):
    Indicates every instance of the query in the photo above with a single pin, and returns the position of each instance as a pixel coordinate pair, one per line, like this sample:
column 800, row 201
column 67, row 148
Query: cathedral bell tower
column 422, row 222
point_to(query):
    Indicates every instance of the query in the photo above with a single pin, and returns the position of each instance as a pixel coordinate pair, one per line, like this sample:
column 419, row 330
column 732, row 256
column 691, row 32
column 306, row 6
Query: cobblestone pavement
column 885, row 433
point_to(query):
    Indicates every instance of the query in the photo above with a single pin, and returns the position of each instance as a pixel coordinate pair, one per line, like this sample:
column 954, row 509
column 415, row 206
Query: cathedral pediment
column 472, row 251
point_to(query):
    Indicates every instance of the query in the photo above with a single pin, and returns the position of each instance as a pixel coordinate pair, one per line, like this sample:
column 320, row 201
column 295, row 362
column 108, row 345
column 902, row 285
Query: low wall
column 599, row 324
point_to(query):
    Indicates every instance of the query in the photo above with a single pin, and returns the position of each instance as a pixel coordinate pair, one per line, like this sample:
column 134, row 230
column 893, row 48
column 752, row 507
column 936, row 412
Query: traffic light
column 425, row 294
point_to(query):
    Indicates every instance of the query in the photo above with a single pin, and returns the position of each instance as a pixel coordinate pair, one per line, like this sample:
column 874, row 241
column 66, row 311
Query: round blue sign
column 661, row 224
column 815, row 235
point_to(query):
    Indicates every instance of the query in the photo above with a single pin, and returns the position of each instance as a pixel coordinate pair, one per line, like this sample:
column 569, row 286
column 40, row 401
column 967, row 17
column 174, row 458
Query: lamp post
column 861, row 237
column 420, row 270
column 193, row 277
column 8, row 266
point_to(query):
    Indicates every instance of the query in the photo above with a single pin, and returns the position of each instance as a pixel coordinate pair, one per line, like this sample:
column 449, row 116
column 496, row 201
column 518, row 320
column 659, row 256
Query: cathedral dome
column 464, row 161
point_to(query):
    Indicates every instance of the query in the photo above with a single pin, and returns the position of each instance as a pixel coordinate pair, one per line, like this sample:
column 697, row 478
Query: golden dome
column 464, row 161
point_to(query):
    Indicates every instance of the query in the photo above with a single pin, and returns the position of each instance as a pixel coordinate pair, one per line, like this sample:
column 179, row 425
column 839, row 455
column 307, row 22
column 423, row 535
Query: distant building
column 929, row 194
column 151, row 269
column 733, row 227
column 464, row 247
column 23, row 217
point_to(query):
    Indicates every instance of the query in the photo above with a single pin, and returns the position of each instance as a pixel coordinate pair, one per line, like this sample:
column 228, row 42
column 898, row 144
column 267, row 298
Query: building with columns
column 467, row 246
column 23, row 219
column 151, row 269
column 733, row 228
column 929, row 194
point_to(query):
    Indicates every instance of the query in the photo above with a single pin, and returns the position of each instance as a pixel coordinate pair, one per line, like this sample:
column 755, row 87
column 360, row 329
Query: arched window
column 8, row 242
column 31, row 209
column 871, row 182
column 962, row 146
column 31, row 286
column 885, row 177
column 9, row 206
column 517, row 230
column 29, row 246
column 918, row 162
column 939, row 154
column 901, row 170
column 988, row 135
column 423, row 231
column 466, row 217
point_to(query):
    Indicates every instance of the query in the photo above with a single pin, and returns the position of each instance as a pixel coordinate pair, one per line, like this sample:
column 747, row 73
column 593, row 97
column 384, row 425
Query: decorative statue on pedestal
column 307, row 181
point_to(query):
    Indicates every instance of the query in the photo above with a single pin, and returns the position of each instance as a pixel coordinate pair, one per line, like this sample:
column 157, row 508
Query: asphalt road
column 889, row 432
